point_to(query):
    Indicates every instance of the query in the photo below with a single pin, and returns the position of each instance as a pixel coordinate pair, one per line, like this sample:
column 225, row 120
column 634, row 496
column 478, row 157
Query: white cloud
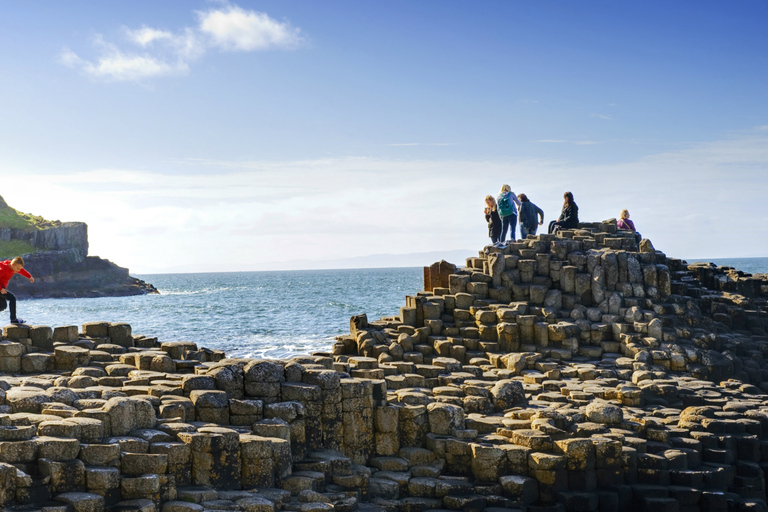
column 119, row 67
column 601, row 116
column 236, row 29
column 146, row 35
column 150, row 52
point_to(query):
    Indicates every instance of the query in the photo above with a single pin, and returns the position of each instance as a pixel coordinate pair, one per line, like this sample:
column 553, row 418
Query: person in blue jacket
column 531, row 217
column 508, row 212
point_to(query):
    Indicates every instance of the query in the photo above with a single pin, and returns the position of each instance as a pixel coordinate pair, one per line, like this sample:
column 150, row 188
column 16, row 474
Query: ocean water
column 749, row 265
column 262, row 314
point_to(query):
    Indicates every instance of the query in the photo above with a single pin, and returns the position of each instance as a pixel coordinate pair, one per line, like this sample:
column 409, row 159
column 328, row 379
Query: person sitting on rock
column 626, row 224
column 8, row 269
column 529, row 215
column 569, row 216
column 492, row 218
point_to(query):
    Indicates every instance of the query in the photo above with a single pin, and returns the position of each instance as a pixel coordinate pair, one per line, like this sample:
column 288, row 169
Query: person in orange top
column 8, row 269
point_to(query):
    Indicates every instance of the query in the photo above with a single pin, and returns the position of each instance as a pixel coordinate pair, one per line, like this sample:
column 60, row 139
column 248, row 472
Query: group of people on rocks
column 503, row 214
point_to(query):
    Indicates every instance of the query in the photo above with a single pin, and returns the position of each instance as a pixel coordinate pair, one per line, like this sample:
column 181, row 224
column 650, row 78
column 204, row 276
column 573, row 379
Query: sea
column 258, row 314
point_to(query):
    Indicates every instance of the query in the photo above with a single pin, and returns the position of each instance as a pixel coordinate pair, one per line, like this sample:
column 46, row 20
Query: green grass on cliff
column 15, row 248
column 11, row 218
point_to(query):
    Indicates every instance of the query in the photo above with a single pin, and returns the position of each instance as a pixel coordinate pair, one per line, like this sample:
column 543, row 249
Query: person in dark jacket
column 569, row 216
column 492, row 218
column 531, row 217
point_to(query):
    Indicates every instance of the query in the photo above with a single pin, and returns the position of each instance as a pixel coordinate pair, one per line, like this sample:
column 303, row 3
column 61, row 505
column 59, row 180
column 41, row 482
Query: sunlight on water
column 261, row 314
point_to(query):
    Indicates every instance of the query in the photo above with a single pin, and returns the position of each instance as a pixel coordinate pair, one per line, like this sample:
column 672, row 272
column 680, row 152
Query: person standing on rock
column 8, row 269
column 508, row 212
column 531, row 217
column 569, row 216
column 492, row 218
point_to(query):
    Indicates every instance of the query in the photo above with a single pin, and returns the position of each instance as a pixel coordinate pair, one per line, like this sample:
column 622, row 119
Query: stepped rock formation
column 61, row 265
column 576, row 372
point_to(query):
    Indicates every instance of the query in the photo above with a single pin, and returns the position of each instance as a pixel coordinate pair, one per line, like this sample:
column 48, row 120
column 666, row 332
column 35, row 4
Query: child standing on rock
column 8, row 269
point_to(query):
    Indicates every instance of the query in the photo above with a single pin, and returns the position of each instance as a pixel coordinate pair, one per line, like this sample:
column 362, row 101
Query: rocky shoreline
column 60, row 262
column 578, row 372
column 68, row 274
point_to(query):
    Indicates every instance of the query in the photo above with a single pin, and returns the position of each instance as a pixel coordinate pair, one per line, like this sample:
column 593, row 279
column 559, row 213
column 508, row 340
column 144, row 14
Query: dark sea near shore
column 264, row 314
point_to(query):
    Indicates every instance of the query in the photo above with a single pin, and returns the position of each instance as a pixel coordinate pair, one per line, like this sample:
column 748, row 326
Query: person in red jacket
column 8, row 269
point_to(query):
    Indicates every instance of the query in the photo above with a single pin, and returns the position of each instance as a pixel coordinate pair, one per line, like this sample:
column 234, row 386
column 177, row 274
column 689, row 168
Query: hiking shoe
column 18, row 321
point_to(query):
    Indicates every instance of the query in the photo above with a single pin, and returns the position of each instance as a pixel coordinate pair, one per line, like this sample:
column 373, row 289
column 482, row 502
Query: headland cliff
column 56, row 253
column 580, row 372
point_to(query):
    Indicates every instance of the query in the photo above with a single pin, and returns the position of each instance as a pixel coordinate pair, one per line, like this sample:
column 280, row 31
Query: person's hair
column 522, row 197
column 492, row 200
column 17, row 260
column 568, row 199
column 505, row 189
column 624, row 214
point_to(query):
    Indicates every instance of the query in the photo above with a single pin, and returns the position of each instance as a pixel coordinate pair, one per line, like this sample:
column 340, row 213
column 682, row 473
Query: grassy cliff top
column 11, row 218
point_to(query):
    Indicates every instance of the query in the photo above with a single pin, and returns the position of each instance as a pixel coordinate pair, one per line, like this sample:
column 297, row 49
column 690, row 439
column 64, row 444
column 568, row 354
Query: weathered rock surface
column 582, row 375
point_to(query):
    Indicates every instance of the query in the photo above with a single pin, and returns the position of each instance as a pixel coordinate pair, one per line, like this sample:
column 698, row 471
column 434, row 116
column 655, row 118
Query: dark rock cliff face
column 66, row 273
column 62, row 267
column 70, row 235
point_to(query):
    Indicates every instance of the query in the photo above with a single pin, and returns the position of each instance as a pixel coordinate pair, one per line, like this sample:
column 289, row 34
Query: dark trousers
column 553, row 226
column 11, row 298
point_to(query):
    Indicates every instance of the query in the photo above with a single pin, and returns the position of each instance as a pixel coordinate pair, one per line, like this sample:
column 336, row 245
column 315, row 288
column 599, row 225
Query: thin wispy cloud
column 148, row 52
column 562, row 141
column 424, row 144
column 601, row 116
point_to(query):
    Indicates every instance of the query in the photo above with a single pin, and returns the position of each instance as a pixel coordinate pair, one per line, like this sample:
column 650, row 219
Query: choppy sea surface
column 262, row 314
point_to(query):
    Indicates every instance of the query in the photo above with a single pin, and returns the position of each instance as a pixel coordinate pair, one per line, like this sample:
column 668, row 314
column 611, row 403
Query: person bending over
column 8, row 269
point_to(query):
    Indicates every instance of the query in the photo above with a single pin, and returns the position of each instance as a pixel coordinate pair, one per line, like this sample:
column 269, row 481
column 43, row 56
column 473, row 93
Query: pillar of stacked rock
column 579, row 373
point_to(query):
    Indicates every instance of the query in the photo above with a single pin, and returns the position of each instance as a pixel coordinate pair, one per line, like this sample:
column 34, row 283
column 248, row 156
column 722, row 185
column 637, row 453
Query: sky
column 198, row 136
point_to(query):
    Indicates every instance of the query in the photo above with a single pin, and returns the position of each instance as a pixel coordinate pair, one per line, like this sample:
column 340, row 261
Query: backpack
column 504, row 206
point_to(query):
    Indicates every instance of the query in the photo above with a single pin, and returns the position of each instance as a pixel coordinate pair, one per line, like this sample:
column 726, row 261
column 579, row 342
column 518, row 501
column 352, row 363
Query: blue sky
column 249, row 133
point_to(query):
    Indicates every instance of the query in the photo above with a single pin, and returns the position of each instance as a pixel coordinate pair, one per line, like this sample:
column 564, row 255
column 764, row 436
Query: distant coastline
column 754, row 265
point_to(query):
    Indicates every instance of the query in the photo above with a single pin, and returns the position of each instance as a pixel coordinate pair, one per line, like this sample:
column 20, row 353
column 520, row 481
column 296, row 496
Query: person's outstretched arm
column 26, row 274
